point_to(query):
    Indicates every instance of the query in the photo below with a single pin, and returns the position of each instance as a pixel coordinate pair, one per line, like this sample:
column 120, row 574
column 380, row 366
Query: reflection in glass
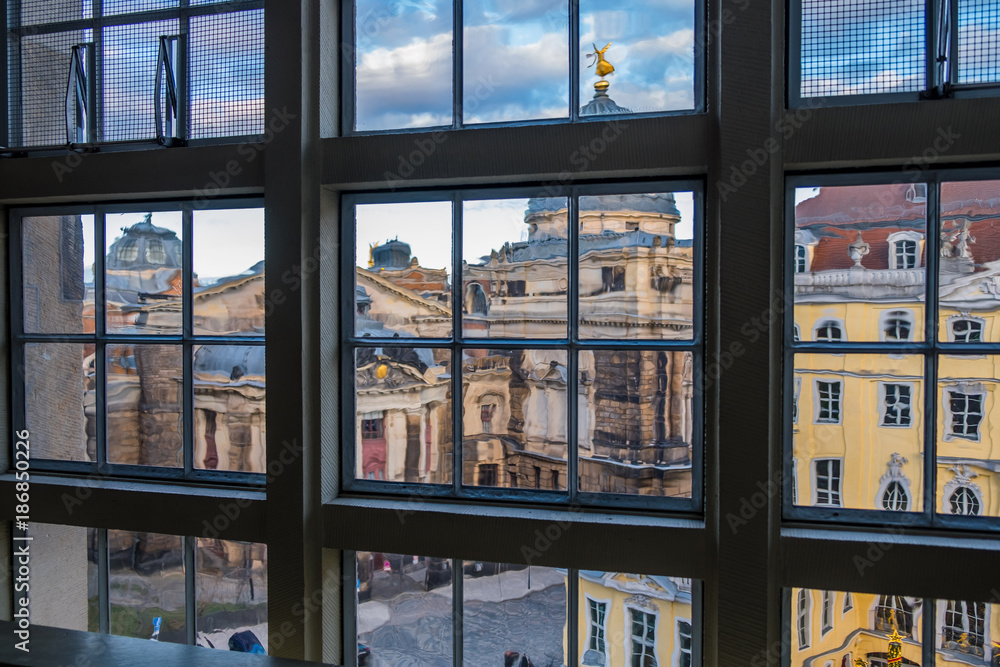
column 403, row 68
column 978, row 47
column 968, row 450
column 516, row 60
column 59, row 408
column 515, row 418
column 515, row 273
column 860, row 262
column 636, row 267
column 654, row 611
column 230, row 591
column 58, row 274
column 513, row 609
column 966, row 632
column 403, row 270
column 835, row 627
column 403, row 421
column 63, row 576
column 229, row 407
column 858, row 425
column 404, row 610
column 144, row 411
column 146, row 582
column 143, row 273
column 636, row 422
column 652, row 51
column 229, row 272
column 969, row 267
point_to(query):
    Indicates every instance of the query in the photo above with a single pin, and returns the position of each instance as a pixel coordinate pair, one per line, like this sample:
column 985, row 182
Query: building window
column 964, row 628
column 895, row 498
column 964, row 501
column 802, row 618
column 643, row 638
column 801, row 258
column 796, row 333
column 904, row 254
column 894, row 612
column 829, row 331
column 966, row 412
column 897, row 326
column 828, row 394
column 966, row 330
column 848, row 602
column 488, row 474
column 598, row 620
column 827, row 474
column 896, row 404
column 486, row 413
column 684, row 644
column 826, row 620
column 371, row 429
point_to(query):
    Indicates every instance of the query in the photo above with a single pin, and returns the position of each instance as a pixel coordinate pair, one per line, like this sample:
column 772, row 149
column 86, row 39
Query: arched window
column 964, row 627
column 963, row 501
column 829, row 331
column 128, row 250
column 967, row 330
column 897, row 326
column 802, row 618
column 893, row 611
column 476, row 300
column 895, row 498
column 155, row 254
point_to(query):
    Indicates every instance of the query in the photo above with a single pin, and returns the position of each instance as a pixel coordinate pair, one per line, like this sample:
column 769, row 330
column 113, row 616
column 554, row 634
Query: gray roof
column 661, row 202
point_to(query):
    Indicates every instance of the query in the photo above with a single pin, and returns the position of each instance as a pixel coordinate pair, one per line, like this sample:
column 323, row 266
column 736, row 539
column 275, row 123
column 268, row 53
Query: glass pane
column 229, row 272
column 859, row 262
column 145, row 415
column 404, row 610
column 230, row 593
column 967, row 457
column 651, row 50
column 131, row 6
column 404, row 431
column 862, row 46
column 59, row 382
column 514, row 266
column 144, row 274
column 515, row 416
column 63, row 577
column 229, row 408
column 855, row 626
column 637, row 266
column 146, row 586
column 978, row 41
column 634, row 619
column 636, row 422
column 58, row 273
column 513, row 609
column 969, row 292
column 403, row 73
column 858, row 438
column 516, row 60
column 404, row 263
column 963, row 634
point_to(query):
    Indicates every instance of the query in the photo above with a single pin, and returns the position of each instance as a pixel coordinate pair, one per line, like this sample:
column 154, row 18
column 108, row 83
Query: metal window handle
column 78, row 121
column 169, row 126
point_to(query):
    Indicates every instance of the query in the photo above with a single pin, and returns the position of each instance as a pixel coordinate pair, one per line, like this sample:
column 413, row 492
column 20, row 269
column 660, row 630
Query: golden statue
column 604, row 68
column 371, row 254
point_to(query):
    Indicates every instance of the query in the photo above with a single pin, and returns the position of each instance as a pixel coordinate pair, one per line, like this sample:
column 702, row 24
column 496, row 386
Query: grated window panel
column 40, row 12
column 129, row 69
column 227, row 74
column 853, row 47
column 978, row 41
column 39, row 68
column 112, row 7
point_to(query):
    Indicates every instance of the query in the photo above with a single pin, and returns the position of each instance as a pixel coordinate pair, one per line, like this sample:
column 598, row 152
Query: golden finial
column 603, row 66
column 371, row 254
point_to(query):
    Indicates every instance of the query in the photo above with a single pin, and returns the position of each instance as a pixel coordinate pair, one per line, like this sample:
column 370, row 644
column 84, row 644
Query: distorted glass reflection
column 516, row 60
column 146, row 586
column 967, row 633
column 403, row 420
column 403, row 72
column 63, row 576
column 404, row 610
column 840, row 628
column 858, row 431
column 228, row 264
column 229, row 407
column 637, row 266
column 403, row 270
column 969, row 266
column 144, row 275
column 57, row 264
column 59, row 410
column 515, row 413
column 636, row 422
column 512, row 612
column 968, row 450
column 515, row 269
column 144, row 404
column 859, row 262
column 230, row 592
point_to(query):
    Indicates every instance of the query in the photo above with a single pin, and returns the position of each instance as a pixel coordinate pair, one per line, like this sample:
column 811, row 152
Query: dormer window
column 155, row 254
column 904, row 250
column 829, row 331
column 128, row 250
column 897, row 326
column 967, row 330
column 801, row 258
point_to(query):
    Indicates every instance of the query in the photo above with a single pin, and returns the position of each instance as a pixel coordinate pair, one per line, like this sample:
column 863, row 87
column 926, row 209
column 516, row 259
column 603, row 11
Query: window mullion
column 574, row 61
column 928, row 637
column 457, row 69
column 103, row 581
column 457, row 612
column 933, row 227
column 96, row 66
column 190, row 588
column 573, row 616
column 572, row 354
column 457, row 280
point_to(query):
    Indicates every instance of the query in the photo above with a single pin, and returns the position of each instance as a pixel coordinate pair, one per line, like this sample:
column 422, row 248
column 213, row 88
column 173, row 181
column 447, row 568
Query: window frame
column 834, row 409
column 907, row 409
column 835, row 482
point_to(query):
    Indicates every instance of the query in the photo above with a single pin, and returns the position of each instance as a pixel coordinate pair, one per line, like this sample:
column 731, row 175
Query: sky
column 488, row 224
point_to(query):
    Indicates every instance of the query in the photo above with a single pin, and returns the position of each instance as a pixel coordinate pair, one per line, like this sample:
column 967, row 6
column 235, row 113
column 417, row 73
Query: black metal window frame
column 929, row 347
column 572, row 344
column 348, row 66
column 187, row 340
column 941, row 71
column 10, row 87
